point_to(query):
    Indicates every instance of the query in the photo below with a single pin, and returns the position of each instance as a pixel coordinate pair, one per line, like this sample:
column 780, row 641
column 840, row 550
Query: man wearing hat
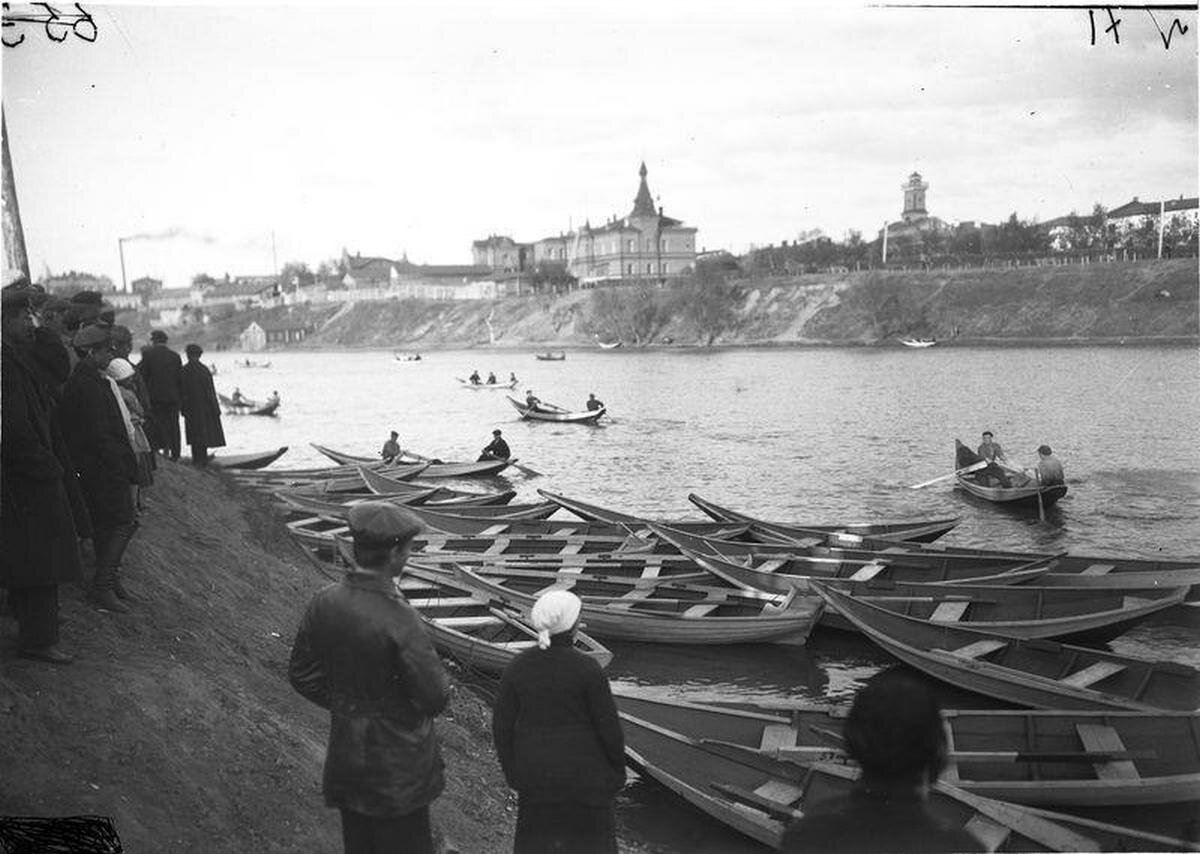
column 94, row 428
column 162, row 369
column 497, row 449
column 200, row 407
column 364, row 654
column 39, row 544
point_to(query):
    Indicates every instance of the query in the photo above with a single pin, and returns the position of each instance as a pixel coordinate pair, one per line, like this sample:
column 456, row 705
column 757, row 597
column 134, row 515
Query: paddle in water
column 982, row 464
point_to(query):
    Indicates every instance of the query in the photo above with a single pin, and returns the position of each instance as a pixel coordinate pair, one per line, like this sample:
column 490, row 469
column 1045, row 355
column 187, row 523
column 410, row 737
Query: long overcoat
column 99, row 445
column 38, row 541
column 161, row 368
column 200, row 407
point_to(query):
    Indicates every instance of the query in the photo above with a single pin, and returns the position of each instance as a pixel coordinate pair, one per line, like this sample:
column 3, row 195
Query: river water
column 792, row 435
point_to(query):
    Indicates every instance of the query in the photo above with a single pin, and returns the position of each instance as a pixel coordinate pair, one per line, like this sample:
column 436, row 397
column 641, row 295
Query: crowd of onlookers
column 81, row 428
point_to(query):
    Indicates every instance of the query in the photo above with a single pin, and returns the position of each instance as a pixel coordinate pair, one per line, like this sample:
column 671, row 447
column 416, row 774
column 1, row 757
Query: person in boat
column 1049, row 470
column 990, row 450
column 273, row 398
column 532, row 401
column 391, row 448
column 238, row 398
column 593, row 404
column 497, row 449
column 512, row 377
column 895, row 732
column 364, row 653
column 559, row 739
column 474, row 378
column 491, row 380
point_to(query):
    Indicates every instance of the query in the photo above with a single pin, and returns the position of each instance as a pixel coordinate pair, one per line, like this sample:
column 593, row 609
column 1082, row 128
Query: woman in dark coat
column 559, row 739
column 95, row 432
column 200, row 407
column 39, row 546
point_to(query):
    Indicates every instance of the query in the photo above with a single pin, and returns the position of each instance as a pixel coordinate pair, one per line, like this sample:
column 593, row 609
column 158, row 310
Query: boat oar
column 525, row 470
column 1041, row 507
column 982, row 464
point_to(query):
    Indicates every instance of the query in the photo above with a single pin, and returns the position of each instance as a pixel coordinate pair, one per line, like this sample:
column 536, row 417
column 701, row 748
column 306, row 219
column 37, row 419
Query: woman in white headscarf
column 559, row 739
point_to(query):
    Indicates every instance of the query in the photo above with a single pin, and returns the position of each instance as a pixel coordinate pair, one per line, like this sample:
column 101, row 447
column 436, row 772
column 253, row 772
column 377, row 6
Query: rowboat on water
column 1015, row 611
column 551, row 356
column 783, row 571
column 487, row 514
column 262, row 459
column 919, row 530
column 758, row 795
column 918, row 343
column 1039, row 673
column 1024, row 492
column 385, row 484
column 610, row 345
column 562, row 416
column 656, row 610
column 245, row 406
column 456, row 524
column 509, row 385
column 346, row 481
column 426, row 468
column 1038, row 758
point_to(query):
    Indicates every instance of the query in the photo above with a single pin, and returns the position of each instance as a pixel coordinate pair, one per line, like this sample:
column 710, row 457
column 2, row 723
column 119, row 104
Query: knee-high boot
column 114, row 551
column 102, row 592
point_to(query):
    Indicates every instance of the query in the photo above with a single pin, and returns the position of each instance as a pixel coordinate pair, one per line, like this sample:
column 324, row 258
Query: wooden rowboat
column 918, row 343
column 655, row 610
column 248, row 407
column 1039, row 758
column 1018, row 611
column 1038, row 673
column 456, row 524
column 247, row 461
column 561, row 416
column 510, row 385
column 381, row 484
column 783, row 571
column 425, row 468
column 550, row 356
column 1024, row 492
column 309, row 505
column 758, row 795
column 919, row 530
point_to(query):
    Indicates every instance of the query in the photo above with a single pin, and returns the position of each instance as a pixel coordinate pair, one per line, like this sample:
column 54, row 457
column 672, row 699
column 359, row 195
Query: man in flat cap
column 497, row 449
column 363, row 653
column 94, row 427
column 162, row 369
column 39, row 544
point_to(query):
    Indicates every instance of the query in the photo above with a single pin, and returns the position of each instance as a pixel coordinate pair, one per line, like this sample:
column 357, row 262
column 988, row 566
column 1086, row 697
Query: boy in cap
column 497, row 449
column 94, row 428
column 363, row 653
column 162, row 369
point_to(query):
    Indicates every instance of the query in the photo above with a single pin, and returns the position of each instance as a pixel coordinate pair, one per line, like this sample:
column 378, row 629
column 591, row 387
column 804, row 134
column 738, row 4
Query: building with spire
column 645, row 244
column 915, row 221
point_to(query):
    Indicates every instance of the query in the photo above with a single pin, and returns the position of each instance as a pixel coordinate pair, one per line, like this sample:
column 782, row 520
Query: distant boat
column 246, row 406
column 511, row 384
column 407, row 357
column 247, row 461
column 918, row 343
column 544, row 412
column 551, row 357
column 250, row 363
column 612, row 346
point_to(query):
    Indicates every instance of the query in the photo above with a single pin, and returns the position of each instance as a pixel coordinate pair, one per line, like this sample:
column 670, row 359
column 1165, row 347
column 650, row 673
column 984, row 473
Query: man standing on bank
column 162, row 369
column 559, row 739
column 200, row 407
column 363, row 653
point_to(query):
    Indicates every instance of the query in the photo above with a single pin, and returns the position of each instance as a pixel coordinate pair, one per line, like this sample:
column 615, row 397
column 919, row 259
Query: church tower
column 643, row 203
column 914, row 198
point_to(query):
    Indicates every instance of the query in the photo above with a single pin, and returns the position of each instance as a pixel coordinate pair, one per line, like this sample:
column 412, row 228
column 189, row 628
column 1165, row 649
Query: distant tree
column 710, row 302
column 295, row 274
column 552, row 275
column 203, row 280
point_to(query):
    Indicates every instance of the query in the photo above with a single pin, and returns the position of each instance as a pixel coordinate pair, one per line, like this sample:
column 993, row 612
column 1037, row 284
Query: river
column 815, row 435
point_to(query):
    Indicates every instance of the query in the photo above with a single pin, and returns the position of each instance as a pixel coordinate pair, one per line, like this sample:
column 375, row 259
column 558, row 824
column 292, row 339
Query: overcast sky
column 420, row 129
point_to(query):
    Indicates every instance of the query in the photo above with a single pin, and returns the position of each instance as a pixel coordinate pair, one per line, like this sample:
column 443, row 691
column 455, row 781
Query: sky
column 217, row 138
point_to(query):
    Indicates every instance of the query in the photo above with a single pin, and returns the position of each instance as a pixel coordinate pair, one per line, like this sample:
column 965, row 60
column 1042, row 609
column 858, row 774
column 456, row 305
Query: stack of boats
column 1104, row 730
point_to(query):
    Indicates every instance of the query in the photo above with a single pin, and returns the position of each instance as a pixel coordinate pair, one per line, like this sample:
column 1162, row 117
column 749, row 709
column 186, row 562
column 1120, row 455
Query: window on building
column 631, row 269
column 649, row 268
column 632, row 245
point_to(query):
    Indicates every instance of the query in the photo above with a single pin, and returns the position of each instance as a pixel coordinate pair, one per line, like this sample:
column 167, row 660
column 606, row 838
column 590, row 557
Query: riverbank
column 1121, row 302
column 178, row 721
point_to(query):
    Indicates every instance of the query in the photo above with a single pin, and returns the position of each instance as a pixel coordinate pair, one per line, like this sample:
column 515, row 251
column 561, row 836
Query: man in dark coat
column 201, row 409
column 39, row 546
column 162, row 370
column 364, row 654
column 99, row 443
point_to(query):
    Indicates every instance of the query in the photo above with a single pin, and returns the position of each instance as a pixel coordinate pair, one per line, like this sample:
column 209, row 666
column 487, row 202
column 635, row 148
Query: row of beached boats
column 1100, row 729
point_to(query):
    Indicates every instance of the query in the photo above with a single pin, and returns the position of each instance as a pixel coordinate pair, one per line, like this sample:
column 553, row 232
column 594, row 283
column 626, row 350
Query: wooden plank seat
column 775, row 736
column 1092, row 674
column 868, row 572
column 442, row 601
column 990, row 833
column 465, row 622
column 571, row 549
column 779, row 792
column 493, row 530
column 1102, row 738
column 1098, row 569
column 949, row 612
column 628, row 600
column 518, row 644
column 770, row 565
column 702, row 610
column 978, row 649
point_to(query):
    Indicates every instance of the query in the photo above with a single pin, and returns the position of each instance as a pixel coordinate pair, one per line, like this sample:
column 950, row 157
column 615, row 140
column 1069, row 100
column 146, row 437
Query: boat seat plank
column 628, row 600
column 772, row 808
column 563, row 532
column 493, row 530
column 442, row 601
column 868, row 572
column 454, row 622
column 1092, row 674
column 1103, row 738
column 518, row 644
column 770, row 565
column 775, row 736
column 990, row 833
column 571, row 549
column 949, row 612
column 979, row 648
column 780, row 792
column 1098, row 569
column 702, row 610
column 498, row 547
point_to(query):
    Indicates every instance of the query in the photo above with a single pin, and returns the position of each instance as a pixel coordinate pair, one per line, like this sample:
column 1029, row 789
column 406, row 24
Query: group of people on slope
column 80, row 425
column 363, row 653
column 1047, row 472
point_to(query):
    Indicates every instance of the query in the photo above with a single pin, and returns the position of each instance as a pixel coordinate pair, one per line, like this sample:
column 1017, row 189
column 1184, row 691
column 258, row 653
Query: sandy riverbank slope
column 178, row 721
